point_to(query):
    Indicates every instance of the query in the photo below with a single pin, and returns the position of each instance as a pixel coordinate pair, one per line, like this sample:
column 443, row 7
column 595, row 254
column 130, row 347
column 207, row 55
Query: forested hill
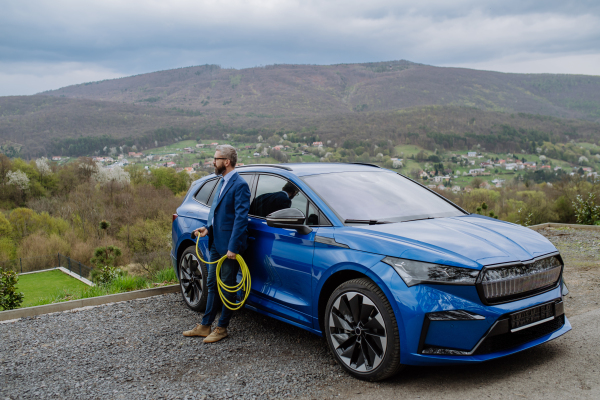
column 399, row 101
column 316, row 90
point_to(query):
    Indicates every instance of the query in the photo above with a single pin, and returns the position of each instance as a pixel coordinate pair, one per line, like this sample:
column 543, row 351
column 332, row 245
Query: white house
column 472, row 154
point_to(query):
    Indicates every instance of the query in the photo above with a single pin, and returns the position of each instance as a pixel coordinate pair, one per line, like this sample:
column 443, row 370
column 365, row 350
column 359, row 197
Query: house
column 214, row 144
column 484, row 185
column 468, row 189
column 432, row 186
column 441, row 187
column 256, row 154
column 277, row 148
column 476, row 171
column 208, row 164
column 456, row 188
column 587, row 169
column 200, row 145
column 178, row 170
column 501, row 161
column 240, row 164
column 423, row 174
column 438, row 178
column 546, row 167
column 56, row 158
column 170, row 164
column 510, row 166
column 189, row 170
column 188, row 149
column 317, row 144
column 472, row 154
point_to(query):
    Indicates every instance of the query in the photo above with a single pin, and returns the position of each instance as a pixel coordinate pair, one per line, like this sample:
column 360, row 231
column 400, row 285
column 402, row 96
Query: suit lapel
column 225, row 189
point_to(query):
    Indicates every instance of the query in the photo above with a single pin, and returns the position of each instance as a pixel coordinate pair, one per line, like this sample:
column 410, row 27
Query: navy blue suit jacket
column 231, row 217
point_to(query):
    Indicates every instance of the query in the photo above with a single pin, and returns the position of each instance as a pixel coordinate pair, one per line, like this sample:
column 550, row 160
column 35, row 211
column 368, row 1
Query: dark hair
column 290, row 188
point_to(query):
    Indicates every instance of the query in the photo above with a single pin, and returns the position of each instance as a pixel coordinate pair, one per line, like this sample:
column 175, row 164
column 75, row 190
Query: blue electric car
column 388, row 271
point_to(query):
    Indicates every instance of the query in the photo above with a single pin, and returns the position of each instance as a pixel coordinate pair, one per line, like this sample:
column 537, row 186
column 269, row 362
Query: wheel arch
column 332, row 282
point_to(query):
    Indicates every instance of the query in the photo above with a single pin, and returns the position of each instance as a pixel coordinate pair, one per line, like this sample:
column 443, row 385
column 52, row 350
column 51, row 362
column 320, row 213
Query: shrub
column 104, row 261
column 9, row 297
column 586, row 211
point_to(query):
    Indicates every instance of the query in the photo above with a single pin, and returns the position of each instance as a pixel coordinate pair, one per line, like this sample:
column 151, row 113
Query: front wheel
column 361, row 330
column 192, row 280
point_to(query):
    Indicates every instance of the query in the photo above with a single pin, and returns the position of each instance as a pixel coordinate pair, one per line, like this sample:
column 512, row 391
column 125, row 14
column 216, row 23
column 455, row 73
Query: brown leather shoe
column 199, row 330
column 216, row 335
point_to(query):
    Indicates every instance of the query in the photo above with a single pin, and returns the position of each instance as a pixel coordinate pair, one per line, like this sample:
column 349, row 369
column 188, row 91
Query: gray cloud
column 54, row 43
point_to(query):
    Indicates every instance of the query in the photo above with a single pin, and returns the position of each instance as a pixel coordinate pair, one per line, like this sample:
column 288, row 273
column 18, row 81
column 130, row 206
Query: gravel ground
column 135, row 350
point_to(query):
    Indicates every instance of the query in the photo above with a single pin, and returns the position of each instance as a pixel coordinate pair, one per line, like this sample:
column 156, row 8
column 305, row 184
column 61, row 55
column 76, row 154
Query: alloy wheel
column 357, row 331
column 190, row 276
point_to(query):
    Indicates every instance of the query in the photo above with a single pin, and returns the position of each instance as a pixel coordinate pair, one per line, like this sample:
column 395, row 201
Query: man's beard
column 219, row 171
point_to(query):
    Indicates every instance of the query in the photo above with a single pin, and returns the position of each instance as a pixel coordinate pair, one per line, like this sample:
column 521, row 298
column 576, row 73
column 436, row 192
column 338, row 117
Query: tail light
column 174, row 217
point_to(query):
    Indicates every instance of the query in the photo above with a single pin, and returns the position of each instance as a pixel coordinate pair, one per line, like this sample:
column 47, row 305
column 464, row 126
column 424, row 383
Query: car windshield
column 378, row 197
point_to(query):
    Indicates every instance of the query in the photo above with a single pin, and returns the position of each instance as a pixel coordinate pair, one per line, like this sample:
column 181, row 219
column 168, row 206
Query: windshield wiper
column 366, row 221
column 418, row 219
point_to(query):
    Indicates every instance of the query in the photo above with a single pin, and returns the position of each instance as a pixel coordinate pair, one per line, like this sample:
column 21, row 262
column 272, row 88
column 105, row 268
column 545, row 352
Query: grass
column 122, row 284
column 43, row 284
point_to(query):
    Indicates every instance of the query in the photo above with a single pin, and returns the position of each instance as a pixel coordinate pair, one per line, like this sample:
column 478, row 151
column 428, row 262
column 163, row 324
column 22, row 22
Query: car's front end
column 460, row 298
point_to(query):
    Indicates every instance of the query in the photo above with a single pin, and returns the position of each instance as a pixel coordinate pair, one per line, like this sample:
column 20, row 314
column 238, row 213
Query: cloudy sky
column 50, row 44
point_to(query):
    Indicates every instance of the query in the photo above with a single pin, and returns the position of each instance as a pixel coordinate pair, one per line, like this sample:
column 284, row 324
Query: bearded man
column 226, row 230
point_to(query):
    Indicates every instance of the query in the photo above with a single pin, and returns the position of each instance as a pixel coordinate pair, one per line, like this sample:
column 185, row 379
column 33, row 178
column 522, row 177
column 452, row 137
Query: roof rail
column 266, row 165
column 367, row 164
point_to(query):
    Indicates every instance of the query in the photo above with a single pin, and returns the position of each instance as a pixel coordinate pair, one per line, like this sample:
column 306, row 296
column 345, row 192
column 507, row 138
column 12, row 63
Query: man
column 268, row 203
column 226, row 230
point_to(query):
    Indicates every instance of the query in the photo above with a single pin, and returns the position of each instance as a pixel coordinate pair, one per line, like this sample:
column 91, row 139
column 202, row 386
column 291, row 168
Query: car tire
column 192, row 280
column 361, row 330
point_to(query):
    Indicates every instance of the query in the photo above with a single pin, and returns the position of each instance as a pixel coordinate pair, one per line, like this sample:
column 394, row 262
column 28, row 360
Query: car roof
column 304, row 169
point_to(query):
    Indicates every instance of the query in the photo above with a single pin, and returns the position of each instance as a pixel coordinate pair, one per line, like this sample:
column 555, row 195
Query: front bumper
column 439, row 342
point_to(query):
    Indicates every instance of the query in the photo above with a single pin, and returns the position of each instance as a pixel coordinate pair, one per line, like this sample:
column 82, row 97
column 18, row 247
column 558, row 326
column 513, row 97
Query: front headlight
column 415, row 272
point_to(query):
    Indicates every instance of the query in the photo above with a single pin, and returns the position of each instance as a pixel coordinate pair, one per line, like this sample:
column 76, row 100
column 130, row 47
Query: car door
column 280, row 260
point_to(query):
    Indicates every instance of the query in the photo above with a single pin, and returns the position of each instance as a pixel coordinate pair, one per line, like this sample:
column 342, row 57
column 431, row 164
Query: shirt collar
column 227, row 177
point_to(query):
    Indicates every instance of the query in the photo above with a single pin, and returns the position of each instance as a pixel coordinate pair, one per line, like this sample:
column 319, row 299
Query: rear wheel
column 361, row 330
column 192, row 280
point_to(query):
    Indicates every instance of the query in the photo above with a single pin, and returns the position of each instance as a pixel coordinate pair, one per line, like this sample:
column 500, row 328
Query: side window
column 205, row 191
column 312, row 217
column 273, row 194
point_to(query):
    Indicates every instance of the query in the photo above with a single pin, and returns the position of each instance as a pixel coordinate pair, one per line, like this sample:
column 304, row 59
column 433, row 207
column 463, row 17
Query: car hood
column 471, row 240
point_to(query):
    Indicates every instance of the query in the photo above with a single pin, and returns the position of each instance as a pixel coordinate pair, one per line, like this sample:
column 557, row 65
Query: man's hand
column 201, row 232
column 231, row 255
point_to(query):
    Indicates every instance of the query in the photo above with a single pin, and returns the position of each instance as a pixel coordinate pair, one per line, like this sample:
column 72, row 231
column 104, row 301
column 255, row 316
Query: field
column 43, row 284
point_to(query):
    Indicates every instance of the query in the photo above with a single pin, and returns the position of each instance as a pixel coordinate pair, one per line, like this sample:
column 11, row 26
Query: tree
column 9, row 297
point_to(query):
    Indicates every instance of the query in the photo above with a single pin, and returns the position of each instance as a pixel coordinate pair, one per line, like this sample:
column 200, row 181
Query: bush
column 586, row 211
column 104, row 261
column 9, row 297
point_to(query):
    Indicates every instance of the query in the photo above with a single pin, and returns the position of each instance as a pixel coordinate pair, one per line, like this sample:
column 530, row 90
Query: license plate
column 531, row 316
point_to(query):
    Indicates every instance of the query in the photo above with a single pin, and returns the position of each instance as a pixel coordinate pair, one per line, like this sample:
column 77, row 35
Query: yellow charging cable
column 245, row 284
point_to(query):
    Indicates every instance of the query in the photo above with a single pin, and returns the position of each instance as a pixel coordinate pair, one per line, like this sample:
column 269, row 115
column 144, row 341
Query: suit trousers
column 229, row 271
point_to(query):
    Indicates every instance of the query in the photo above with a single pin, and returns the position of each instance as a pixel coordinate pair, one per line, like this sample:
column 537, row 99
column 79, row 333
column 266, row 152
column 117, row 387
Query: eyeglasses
column 220, row 158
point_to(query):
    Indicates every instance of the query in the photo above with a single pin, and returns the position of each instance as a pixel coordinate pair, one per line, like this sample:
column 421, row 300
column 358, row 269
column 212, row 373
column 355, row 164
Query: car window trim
column 309, row 200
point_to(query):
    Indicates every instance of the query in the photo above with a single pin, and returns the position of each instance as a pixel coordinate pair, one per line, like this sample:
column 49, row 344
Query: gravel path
column 135, row 350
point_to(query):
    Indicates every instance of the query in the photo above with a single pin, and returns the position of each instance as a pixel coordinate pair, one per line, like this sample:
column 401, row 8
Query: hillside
column 396, row 100
column 292, row 90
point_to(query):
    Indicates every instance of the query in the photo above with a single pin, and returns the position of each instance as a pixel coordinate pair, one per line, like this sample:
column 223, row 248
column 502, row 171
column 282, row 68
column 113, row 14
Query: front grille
column 509, row 340
column 513, row 280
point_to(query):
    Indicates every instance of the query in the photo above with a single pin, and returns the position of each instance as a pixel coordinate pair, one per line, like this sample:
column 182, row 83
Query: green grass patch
column 121, row 284
column 45, row 284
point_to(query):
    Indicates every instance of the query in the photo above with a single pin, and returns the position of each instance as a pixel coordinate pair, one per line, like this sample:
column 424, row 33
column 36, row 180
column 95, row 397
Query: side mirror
column 289, row 218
